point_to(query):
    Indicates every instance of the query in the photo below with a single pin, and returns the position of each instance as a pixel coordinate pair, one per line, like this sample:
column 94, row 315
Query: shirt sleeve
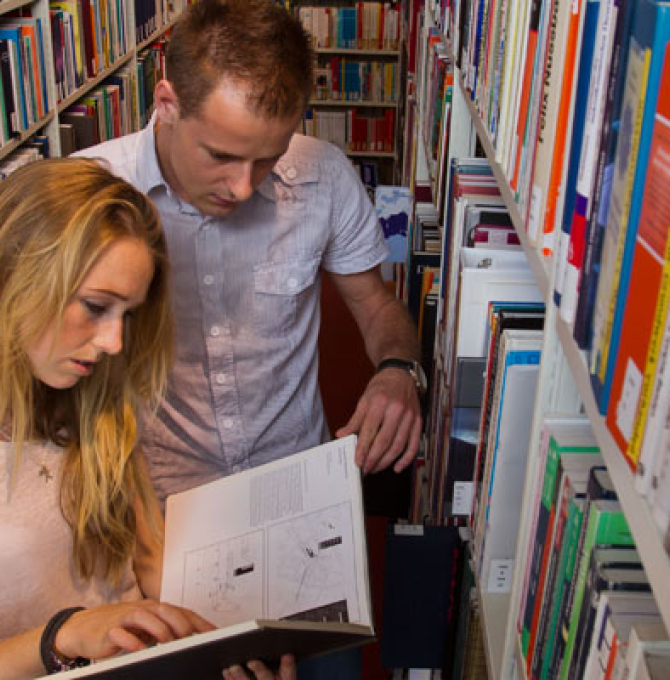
column 356, row 242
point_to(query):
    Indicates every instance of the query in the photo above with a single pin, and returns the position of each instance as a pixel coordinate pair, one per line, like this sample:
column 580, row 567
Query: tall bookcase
column 165, row 15
column 357, row 102
column 564, row 382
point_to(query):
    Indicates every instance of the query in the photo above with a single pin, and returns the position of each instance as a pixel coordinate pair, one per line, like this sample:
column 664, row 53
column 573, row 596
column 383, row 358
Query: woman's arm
column 20, row 655
column 99, row 633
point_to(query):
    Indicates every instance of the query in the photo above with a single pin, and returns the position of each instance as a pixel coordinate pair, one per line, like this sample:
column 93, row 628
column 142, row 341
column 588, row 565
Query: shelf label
column 500, row 576
column 462, row 503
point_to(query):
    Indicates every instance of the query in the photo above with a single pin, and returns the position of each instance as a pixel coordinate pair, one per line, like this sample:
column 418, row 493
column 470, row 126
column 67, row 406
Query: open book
column 275, row 556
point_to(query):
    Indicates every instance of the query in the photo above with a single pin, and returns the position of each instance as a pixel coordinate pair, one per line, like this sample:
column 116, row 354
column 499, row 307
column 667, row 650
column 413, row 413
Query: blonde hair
column 56, row 219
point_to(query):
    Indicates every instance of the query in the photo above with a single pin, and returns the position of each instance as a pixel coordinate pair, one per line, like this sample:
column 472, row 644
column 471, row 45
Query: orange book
column 526, row 87
column 648, row 292
column 571, row 50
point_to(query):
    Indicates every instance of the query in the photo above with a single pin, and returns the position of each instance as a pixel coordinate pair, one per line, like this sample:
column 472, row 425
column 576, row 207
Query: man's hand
column 388, row 422
column 287, row 670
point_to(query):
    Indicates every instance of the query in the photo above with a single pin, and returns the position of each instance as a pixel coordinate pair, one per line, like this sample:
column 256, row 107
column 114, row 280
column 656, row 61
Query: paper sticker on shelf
column 500, row 576
column 462, row 504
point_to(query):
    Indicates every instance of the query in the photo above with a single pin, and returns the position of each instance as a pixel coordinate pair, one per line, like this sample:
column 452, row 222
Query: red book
column 648, row 292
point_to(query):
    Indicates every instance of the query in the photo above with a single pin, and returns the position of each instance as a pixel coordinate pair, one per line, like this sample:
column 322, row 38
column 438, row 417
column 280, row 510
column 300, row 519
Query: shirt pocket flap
column 289, row 278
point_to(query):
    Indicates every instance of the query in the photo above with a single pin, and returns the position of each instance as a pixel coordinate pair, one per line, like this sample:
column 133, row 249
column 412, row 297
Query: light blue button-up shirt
column 244, row 387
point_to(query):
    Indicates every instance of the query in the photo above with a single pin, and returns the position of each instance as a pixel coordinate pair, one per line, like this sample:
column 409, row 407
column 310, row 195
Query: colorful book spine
column 651, row 32
column 648, row 293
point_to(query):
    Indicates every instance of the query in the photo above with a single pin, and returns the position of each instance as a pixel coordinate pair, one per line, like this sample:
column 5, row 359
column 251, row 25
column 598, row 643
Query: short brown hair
column 255, row 43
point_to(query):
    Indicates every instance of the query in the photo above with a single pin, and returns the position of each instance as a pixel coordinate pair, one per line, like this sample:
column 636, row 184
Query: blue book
column 603, row 180
column 14, row 36
column 579, row 117
column 649, row 40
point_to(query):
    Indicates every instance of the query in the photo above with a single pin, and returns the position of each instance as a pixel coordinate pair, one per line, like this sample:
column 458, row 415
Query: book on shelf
column 506, row 457
column 609, row 569
column 637, row 362
column 587, row 157
column 563, row 441
column 604, row 525
column 571, row 482
column 421, row 575
column 275, row 556
column 590, row 265
column 501, row 316
column 489, row 274
column 550, row 219
column 617, row 613
column 548, row 118
column 650, row 35
column 578, row 119
column 570, row 516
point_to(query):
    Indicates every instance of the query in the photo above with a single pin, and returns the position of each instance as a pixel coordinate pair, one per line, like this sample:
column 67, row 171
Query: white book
column 487, row 275
column 275, row 556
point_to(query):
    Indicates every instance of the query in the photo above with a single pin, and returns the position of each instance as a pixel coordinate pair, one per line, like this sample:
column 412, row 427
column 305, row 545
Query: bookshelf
column 163, row 16
column 357, row 103
column 564, row 380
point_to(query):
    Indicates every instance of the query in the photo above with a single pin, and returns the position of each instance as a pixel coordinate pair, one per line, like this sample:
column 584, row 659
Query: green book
column 607, row 526
column 566, row 568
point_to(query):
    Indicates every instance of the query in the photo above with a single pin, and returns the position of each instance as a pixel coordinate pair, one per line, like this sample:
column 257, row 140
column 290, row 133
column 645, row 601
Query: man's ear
column 166, row 103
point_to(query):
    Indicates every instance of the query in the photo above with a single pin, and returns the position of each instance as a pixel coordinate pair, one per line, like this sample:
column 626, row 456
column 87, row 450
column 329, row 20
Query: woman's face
column 93, row 320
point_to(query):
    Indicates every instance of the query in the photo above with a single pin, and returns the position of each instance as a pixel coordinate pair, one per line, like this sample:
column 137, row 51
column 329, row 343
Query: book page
column 280, row 541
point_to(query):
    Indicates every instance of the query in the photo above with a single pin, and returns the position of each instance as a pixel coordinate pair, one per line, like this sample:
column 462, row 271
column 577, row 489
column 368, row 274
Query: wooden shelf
column 93, row 82
column 355, row 51
column 15, row 143
column 352, row 104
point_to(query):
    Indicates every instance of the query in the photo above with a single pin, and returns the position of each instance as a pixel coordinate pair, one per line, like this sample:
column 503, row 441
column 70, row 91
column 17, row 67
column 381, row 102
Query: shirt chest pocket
column 279, row 290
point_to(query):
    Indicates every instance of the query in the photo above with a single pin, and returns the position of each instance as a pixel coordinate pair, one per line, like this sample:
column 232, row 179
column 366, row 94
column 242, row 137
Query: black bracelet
column 53, row 662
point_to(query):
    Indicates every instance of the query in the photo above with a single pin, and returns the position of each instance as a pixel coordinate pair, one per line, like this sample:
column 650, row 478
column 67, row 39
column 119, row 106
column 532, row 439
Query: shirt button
column 291, row 173
column 228, row 423
column 209, row 280
column 292, row 283
column 220, row 378
column 215, row 331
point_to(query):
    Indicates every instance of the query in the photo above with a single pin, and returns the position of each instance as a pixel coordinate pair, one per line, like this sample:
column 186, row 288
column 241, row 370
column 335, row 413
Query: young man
column 253, row 212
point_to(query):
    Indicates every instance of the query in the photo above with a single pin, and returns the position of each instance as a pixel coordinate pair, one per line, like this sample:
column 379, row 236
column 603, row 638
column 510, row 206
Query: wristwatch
column 414, row 368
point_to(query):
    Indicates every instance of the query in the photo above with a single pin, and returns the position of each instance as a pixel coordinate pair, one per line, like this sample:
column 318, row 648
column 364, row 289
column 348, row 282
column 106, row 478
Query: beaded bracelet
column 54, row 662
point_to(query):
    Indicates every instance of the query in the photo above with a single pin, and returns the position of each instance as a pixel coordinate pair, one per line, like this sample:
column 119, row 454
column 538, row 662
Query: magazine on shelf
column 275, row 556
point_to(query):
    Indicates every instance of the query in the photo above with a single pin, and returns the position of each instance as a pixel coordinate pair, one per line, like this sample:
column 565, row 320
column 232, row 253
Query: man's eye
column 93, row 308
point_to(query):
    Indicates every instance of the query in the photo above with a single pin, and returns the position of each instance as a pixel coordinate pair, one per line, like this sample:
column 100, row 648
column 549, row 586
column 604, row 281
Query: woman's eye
column 93, row 308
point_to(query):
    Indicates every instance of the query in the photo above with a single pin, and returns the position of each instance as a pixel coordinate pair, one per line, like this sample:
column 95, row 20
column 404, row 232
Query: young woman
column 85, row 340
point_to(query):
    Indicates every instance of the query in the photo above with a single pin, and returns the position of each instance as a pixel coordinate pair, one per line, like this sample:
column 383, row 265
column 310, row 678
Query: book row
column 111, row 109
column 87, row 37
column 351, row 131
column 575, row 95
column 356, row 80
column 368, row 25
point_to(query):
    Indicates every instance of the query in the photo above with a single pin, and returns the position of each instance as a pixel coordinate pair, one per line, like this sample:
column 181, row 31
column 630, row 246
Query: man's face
column 214, row 160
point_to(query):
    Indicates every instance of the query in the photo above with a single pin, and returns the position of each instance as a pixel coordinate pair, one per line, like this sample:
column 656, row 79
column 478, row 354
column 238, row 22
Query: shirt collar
column 149, row 171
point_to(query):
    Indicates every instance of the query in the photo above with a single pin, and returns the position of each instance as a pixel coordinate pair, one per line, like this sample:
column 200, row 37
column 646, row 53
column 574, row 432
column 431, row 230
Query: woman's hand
column 100, row 632
column 287, row 670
